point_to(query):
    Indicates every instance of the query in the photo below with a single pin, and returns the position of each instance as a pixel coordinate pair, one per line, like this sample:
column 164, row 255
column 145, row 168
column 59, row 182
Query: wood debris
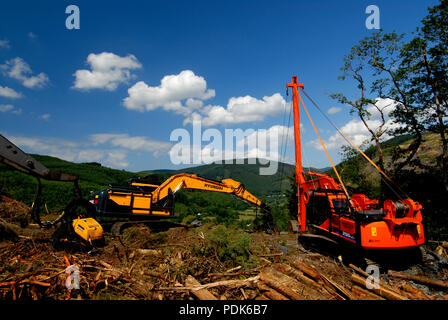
column 175, row 266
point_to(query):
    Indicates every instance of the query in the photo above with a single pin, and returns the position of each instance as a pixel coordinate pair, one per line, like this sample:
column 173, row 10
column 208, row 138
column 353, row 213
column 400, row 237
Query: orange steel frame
column 399, row 228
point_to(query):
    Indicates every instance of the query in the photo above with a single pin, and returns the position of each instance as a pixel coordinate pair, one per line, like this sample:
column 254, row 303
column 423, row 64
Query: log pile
column 30, row 269
column 296, row 280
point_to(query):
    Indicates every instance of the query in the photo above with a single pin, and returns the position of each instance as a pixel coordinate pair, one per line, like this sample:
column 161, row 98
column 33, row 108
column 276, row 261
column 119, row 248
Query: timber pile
column 299, row 281
column 32, row 270
column 173, row 265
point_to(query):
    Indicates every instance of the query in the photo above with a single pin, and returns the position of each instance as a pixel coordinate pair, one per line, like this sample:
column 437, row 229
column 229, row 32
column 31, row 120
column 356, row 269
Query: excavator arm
column 16, row 158
column 230, row 186
column 87, row 228
column 192, row 181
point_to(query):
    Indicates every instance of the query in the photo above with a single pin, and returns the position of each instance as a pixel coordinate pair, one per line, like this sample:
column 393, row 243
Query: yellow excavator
column 146, row 201
column 137, row 200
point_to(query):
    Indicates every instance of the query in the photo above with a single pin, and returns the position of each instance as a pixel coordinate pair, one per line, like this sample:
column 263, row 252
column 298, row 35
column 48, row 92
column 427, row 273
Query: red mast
column 300, row 176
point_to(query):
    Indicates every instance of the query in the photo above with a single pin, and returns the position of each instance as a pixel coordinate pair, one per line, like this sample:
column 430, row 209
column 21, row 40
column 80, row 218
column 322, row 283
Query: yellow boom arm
column 192, row 181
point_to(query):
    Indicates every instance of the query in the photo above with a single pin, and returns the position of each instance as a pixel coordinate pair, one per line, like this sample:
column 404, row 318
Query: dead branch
column 380, row 290
column 202, row 294
column 420, row 279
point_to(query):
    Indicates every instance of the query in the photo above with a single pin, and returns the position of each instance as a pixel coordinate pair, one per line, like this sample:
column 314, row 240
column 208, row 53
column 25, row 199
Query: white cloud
column 357, row 132
column 240, row 110
column 334, row 110
column 108, row 70
column 9, row 93
column 173, row 89
column 45, row 116
column 18, row 69
column 137, row 143
column 32, row 35
column 117, row 158
column 185, row 93
column 4, row 44
column 10, row 108
column 63, row 149
column 6, row 107
column 235, row 144
column 273, row 137
column 108, row 149
column 90, row 155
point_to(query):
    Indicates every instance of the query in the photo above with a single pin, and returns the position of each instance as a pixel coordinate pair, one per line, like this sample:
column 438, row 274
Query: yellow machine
column 88, row 229
column 150, row 201
column 74, row 220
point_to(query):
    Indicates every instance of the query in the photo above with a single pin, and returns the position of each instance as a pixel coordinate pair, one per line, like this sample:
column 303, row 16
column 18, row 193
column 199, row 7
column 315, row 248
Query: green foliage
column 281, row 216
column 414, row 74
column 229, row 244
column 222, row 208
column 249, row 174
column 351, row 171
column 57, row 195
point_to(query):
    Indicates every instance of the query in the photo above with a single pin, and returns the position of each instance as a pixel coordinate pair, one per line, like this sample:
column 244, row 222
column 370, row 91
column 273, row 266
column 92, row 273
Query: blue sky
column 56, row 100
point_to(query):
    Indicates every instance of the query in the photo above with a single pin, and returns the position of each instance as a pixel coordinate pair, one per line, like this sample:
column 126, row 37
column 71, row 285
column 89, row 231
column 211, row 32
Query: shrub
column 227, row 244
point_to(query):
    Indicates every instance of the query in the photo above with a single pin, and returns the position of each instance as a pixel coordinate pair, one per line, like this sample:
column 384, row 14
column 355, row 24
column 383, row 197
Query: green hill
column 420, row 183
column 360, row 176
column 248, row 174
column 92, row 176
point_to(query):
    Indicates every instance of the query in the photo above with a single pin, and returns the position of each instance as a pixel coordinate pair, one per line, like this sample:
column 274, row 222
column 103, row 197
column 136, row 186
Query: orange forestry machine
column 354, row 221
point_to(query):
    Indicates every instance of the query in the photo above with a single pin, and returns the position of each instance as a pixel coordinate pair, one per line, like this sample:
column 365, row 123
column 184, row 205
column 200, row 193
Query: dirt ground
column 182, row 264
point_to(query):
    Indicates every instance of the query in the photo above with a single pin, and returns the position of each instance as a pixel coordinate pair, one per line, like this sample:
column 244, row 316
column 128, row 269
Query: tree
column 377, row 58
column 351, row 170
column 425, row 66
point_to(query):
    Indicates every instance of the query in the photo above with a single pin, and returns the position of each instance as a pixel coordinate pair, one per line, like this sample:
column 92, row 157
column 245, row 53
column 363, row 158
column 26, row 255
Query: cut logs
column 420, row 279
column 379, row 290
column 202, row 294
column 284, row 284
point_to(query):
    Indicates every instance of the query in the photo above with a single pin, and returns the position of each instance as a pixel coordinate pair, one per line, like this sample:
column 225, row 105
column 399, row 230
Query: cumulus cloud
column 239, row 110
column 185, row 93
column 136, row 143
column 234, row 144
column 9, row 93
column 180, row 93
column 18, row 69
column 60, row 148
column 108, row 70
column 108, row 149
column 274, row 137
column 357, row 132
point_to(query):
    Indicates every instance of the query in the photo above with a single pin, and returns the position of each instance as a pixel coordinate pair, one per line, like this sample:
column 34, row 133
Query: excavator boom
column 192, row 181
column 139, row 199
